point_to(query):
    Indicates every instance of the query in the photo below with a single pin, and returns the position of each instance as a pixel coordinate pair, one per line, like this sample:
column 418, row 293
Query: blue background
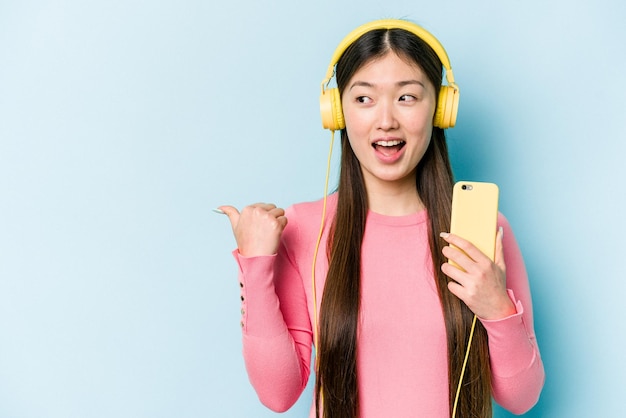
column 122, row 123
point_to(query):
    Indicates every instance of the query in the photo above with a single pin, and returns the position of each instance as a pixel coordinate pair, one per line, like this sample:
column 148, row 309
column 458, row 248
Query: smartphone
column 475, row 214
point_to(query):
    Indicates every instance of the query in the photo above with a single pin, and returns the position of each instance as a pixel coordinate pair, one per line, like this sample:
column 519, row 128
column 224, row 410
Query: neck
column 394, row 200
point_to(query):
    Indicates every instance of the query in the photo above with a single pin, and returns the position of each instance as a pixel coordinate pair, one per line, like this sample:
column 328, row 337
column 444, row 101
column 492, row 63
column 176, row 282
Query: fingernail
column 502, row 232
column 220, row 211
column 444, row 235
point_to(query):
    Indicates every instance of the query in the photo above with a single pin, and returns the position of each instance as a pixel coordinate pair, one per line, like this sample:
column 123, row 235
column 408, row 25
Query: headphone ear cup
column 330, row 108
column 447, row 107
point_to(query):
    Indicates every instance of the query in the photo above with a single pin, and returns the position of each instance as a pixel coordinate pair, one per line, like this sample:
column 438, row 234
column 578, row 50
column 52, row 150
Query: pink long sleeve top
column 402, row 354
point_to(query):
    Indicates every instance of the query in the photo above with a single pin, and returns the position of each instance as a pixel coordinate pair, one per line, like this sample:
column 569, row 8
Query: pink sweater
column 402, row 360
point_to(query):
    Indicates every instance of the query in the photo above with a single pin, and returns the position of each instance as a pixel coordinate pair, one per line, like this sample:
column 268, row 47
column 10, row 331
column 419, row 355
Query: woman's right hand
column 257, row 228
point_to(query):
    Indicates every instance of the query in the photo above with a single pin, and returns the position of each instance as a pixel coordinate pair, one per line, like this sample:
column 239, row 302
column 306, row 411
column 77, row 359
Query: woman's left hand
column 480, row 283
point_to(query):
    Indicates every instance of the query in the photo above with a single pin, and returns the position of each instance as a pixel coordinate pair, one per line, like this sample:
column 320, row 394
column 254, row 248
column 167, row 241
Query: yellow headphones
column 447, row 104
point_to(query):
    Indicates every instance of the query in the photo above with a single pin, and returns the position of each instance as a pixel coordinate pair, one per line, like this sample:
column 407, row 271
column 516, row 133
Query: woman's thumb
column 231, row 212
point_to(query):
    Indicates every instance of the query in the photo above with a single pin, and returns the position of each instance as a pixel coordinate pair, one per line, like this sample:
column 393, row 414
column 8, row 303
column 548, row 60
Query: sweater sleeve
column 275, row 325
column 517, row 370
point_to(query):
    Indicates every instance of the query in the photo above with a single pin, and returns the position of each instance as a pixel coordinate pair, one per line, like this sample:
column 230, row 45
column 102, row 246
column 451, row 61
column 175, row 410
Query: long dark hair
column 337, row 374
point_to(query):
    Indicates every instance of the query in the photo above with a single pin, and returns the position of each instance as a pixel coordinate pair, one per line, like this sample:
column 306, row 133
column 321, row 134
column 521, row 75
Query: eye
column 407, row 98
column 363, row 99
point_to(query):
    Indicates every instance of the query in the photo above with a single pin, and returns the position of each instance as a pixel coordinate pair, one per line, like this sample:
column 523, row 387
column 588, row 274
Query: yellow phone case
column 475, row 214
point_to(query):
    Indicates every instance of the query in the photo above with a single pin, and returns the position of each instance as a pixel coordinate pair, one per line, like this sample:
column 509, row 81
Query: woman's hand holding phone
column 475, row 256
column 479, row 282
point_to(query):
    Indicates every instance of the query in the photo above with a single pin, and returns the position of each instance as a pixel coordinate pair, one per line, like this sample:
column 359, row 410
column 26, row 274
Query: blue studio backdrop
column 122, row 123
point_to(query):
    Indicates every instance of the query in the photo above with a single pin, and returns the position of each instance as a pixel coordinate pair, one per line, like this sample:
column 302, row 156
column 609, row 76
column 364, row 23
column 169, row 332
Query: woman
column 394, row 316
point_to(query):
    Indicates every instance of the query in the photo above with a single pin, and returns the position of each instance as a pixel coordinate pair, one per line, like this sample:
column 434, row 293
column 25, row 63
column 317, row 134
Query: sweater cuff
column 260, row 308
column 511, row 347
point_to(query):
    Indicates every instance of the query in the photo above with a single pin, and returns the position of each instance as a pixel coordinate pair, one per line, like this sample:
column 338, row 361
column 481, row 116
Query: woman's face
column 388, row 107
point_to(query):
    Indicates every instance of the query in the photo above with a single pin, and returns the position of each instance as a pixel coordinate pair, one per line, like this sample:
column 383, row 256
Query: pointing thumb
column 232, row 213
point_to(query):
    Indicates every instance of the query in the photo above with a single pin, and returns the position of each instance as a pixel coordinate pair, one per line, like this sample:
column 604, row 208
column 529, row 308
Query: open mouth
column 388, row 147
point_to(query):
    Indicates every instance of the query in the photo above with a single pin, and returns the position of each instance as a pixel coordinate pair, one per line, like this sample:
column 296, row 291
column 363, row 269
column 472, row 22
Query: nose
column 387, row 118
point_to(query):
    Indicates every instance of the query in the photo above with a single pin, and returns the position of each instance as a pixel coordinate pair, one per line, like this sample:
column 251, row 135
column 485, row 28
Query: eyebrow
column 399, row 84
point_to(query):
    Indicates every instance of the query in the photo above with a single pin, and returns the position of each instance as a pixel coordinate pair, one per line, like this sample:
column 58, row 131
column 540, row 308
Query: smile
column 388, row 146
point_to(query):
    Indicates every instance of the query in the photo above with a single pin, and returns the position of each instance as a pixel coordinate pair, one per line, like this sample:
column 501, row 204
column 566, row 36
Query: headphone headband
column 418, row 31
